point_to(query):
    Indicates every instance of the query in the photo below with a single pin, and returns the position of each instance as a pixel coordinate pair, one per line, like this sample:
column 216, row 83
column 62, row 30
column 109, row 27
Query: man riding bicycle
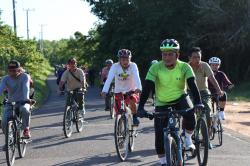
column 168, row 77
column 203, row 73
column 17, row 84
column 75, row 79
column 127, row 79
column 104, row 76
column 223, row 82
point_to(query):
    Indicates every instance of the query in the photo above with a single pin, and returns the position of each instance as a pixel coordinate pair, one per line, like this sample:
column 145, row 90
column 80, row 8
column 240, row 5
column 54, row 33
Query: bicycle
column 14, row 132
column 216, row 126
column 124, row 130
column 201, row 138
column 72, row 114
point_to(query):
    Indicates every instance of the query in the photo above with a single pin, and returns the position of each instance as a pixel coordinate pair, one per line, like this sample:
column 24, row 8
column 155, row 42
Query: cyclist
column 75, row 80
column 17, row 84
column 168, row 77
column 223, row 81
column 203, row 73
column 127, row 79
column 104, row 76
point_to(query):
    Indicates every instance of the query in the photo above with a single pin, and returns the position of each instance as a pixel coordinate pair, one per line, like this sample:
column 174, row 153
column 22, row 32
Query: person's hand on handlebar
column 198, row 107
column 103, row 94
column 142, row 113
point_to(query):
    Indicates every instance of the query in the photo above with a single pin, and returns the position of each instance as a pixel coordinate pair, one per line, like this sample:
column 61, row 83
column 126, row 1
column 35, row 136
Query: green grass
column 240, row 92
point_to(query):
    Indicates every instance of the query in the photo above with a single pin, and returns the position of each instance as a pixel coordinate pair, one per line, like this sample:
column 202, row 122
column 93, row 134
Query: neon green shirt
column 170, row 85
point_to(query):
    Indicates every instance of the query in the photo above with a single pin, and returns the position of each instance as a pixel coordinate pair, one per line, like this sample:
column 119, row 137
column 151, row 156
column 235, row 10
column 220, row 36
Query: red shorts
column 118, row 97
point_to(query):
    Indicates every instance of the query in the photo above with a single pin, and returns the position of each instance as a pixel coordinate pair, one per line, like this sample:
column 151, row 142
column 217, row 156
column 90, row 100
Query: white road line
column 236, row 138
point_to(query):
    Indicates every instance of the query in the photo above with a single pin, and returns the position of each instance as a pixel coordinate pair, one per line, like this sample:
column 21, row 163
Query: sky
column 59, row 18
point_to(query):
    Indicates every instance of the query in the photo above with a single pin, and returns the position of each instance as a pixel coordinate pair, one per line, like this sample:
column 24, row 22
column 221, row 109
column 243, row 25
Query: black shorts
column 188, row 120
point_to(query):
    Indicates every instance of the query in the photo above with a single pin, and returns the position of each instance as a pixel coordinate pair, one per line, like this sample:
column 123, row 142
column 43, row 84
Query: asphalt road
column 95, row 145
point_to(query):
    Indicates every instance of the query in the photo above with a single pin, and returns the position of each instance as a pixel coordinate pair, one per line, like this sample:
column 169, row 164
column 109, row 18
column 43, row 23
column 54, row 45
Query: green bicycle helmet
column 169, row 45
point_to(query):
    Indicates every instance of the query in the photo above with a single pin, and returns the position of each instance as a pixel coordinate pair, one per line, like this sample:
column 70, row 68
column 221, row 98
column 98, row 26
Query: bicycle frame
column 172, row 130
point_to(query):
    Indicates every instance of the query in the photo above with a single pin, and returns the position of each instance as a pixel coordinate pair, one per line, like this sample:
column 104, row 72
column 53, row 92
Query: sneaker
column 136, row 121
column 222, row 115
column 189, row 143
column 210, row 146
column 26, row 133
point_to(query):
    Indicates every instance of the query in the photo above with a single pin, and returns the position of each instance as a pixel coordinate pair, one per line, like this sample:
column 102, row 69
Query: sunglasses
column 12, row 70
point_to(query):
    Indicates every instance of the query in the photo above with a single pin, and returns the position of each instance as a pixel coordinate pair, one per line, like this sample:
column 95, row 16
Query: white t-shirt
column 125, row 79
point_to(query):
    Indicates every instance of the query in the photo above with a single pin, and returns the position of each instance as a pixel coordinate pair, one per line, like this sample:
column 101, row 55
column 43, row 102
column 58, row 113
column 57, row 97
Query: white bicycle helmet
column 153, row 62
column 214, row 60
column 109, row 61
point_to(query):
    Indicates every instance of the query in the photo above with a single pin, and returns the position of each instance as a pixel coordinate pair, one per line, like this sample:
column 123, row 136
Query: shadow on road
column 112, row 159
column 245, row 123
column 106, row 136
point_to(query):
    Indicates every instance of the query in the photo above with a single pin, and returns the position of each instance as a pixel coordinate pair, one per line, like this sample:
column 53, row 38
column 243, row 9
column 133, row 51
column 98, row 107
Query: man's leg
column 5, row 115
column 133, row 106
column 222, row 104
column 80, row 99
column 159, row 135
column 207, row 102
column 25, row 114
column 188, row 119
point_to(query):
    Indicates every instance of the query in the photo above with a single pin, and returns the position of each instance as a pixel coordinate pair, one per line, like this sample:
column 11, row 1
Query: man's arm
column 2, row 86
column 215, row 84
column 147, row 88
column 137, row 78
column 110, row 78
column 26, row 87
column 194, row 90
column 62, row 80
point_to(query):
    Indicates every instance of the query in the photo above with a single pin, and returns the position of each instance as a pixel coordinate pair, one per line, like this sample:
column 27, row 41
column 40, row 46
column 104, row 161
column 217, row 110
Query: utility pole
column 41, row 38
column 14, row 15
column 27, row 16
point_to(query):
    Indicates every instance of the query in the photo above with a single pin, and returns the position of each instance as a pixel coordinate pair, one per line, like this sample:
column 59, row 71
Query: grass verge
column 240, row 92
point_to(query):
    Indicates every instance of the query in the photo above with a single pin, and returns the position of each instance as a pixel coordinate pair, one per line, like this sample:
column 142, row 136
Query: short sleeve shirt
column 202, row 74
column 72, row 83
column 170, row 85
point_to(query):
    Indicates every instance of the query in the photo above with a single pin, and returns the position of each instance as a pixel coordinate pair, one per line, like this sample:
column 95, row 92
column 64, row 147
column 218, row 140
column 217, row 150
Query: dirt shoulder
column 238, row 117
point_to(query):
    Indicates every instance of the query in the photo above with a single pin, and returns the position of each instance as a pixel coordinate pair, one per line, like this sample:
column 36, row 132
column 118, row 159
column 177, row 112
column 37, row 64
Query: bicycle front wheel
column 10, row 142
column 201, row 141
column 21, row 145
column 171, row 151
column 132, row 135
column 79, row 121
column 111, row 106
column 220, row 132
column 121, row 137
column 68, row 122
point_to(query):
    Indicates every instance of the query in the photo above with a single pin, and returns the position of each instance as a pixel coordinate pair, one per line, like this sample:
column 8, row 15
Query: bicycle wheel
column 171, row 151
column 79, row 120
column 111, row 106
column 220, row 132
column 68, row 122
column 132, row 135
column 201, row 141
column 121, row 137
column 21, row 144
column 10, row 142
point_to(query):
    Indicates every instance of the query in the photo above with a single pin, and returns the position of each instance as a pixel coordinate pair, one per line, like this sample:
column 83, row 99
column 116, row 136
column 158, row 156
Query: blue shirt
column 18, row 89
